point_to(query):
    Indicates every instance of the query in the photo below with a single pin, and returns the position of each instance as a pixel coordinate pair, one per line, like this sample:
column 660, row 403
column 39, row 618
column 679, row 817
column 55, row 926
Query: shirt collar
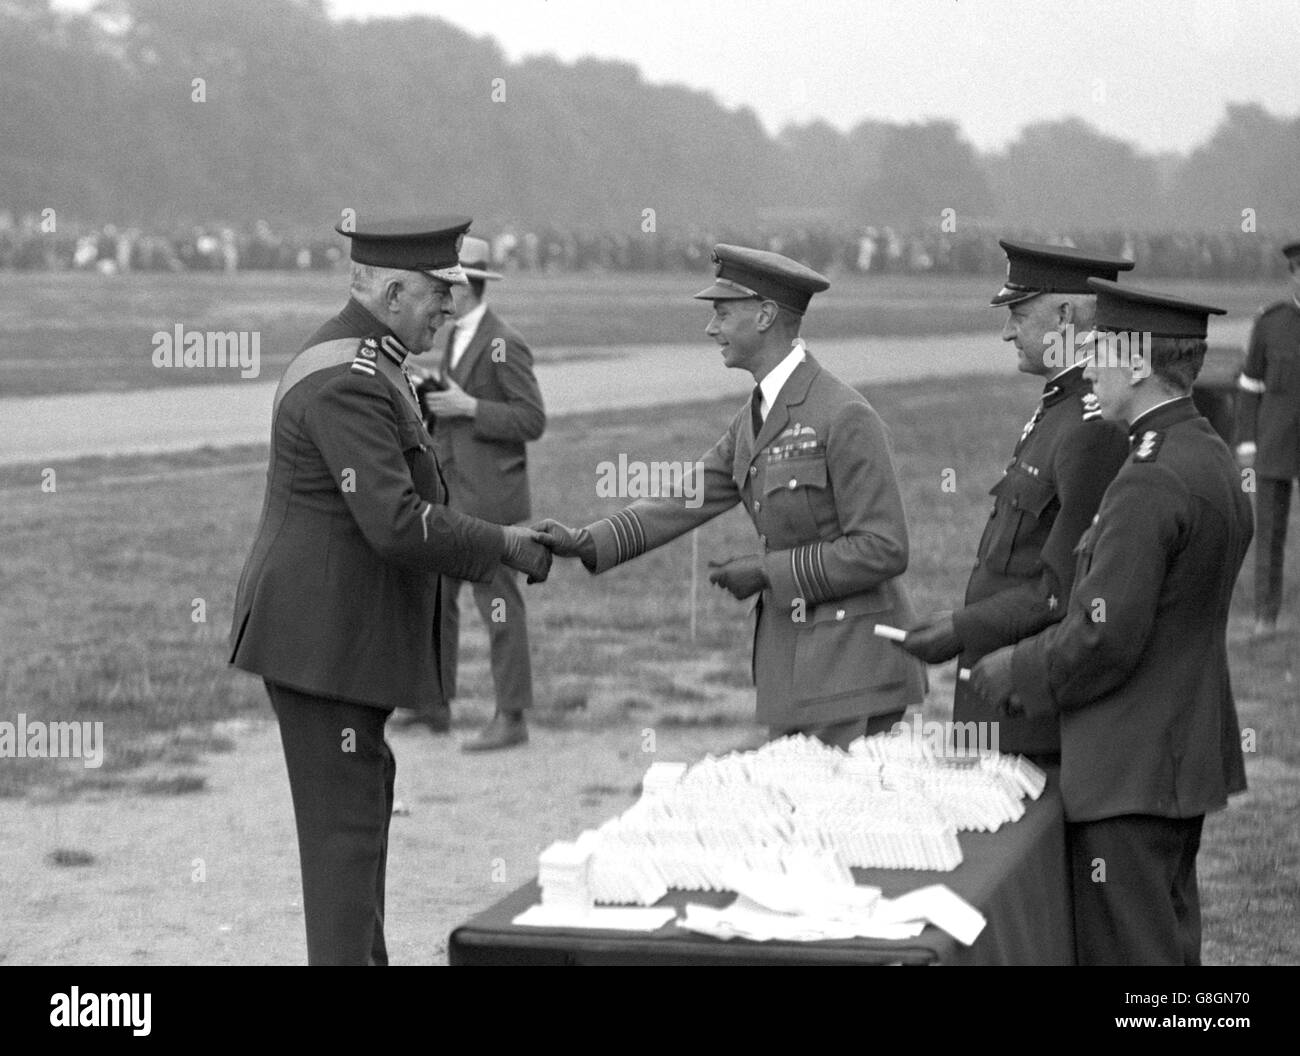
column 780, row 374
column 467, row 324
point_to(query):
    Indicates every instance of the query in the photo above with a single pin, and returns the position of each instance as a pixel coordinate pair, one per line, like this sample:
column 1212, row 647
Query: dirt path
column 475, row 826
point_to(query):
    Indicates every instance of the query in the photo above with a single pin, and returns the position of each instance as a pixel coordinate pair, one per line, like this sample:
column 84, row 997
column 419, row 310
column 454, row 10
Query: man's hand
column 567, row 542
column 991, row 679
column 526, row 552
column 451, row 402
column 934, row 641
column 743, row 576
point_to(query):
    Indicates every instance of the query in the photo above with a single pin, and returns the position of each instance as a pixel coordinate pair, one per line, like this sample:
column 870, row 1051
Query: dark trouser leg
column 448, row 663
column 501, row 604
column 1272, row 508
column 341, row 775
column 1133, row 880
column 842, row 734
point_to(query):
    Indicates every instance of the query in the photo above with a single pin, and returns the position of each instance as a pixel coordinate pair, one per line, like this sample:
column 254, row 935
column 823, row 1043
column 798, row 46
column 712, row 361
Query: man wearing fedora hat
column 483, row 406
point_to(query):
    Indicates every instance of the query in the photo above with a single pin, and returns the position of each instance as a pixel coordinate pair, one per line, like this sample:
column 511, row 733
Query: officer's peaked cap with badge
column 742, row 273
column 429, row 244
column 1292, row 252
column 475, row 256
column 1033, row 269
column 1131, row 309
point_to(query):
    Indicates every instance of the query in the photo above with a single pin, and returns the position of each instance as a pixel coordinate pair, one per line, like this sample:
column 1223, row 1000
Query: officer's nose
column 1009, row 330
column 712, row 328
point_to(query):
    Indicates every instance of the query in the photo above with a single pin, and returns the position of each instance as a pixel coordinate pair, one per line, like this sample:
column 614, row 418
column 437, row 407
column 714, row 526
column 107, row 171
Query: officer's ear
column 767, row 314
column 393, row 293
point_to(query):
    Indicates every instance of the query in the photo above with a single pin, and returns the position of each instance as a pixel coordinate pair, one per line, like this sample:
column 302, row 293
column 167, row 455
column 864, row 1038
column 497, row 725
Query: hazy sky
column 1156, row 72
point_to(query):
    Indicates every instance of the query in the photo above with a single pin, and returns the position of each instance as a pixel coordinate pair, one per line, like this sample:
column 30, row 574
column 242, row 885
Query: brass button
column 839, row 614
column 753, row 471
column 757, row 505
column 793, row 483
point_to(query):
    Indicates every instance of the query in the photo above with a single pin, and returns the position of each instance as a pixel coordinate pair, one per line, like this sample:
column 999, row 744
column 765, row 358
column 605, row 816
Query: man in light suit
column 482, row 407
column 810, row 460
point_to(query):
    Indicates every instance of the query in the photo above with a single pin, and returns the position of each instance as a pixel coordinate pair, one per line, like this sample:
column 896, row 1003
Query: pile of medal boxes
column 794, row 807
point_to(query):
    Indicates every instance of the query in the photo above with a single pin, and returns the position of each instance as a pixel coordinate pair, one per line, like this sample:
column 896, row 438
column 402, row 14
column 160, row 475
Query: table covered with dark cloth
column 1016, row 877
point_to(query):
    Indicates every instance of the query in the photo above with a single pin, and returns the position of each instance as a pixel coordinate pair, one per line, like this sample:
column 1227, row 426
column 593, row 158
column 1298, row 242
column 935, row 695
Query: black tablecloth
column 1016, row 877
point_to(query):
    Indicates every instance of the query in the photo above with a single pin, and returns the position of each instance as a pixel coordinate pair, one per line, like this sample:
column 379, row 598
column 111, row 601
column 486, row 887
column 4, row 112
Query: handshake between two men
column 742, row 576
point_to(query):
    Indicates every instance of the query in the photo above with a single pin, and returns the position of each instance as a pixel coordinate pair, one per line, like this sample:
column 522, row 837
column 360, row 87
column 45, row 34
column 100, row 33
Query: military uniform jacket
column 1137, row 671
column 483, row 458
column 1024, row 568
column 340, row 595
column 819, row 483
column 1268, row 407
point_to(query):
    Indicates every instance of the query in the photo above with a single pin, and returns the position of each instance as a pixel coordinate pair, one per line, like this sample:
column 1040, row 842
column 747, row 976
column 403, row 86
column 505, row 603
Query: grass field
column 102, row 577
column 75, row 332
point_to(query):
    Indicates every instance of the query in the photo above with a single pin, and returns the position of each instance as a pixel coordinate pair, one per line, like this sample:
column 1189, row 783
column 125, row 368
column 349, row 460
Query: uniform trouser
column 1272, row 507
column 1133, row 881
column 842, row 734
column 341, row 775
column 501, row 604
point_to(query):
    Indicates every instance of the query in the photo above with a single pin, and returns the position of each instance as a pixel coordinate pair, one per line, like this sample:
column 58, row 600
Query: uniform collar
column 1066, row 383
column 355, row 314
column 361, row 319
column 1163, row 415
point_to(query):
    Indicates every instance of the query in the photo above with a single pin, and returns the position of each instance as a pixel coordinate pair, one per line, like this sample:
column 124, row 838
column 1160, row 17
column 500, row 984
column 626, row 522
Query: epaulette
column 364, row 361
column 1091, row 406
column 1149, row 446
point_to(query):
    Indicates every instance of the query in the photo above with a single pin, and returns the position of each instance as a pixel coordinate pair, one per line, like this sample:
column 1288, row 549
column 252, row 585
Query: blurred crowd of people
column 26, row 244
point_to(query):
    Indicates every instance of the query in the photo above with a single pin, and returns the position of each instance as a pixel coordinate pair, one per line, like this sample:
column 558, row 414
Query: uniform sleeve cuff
column 1030, row 678
column 780, row 577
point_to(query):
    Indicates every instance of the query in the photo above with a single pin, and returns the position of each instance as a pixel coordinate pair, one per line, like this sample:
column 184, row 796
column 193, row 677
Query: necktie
column 755, row 409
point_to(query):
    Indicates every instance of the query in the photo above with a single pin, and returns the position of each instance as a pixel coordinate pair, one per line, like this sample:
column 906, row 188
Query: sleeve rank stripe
column 363, row 366
column 629, row 536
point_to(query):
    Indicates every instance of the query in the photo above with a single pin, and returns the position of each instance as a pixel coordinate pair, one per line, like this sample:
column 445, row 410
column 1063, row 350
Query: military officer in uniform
column 1064, row 459
column 1268, row 436
column 338, row 608
column 484, row 410
column 810, row 460
column 1137, row 671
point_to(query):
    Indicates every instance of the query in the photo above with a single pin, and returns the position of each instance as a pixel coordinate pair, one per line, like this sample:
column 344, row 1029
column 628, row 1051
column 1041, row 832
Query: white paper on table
column 939, row 905
column 805, row 896
column 747, row 920
column 608, row 918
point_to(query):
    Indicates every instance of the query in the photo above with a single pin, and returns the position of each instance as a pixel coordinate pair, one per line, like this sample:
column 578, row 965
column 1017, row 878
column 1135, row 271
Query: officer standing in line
column 1137, row 671
column 339, row 607
column 1062, row 463
column 810, row 460
column 1268, row 436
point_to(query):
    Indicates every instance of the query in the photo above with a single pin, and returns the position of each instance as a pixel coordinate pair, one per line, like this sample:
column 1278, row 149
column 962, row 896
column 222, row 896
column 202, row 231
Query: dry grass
column 100, row 580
